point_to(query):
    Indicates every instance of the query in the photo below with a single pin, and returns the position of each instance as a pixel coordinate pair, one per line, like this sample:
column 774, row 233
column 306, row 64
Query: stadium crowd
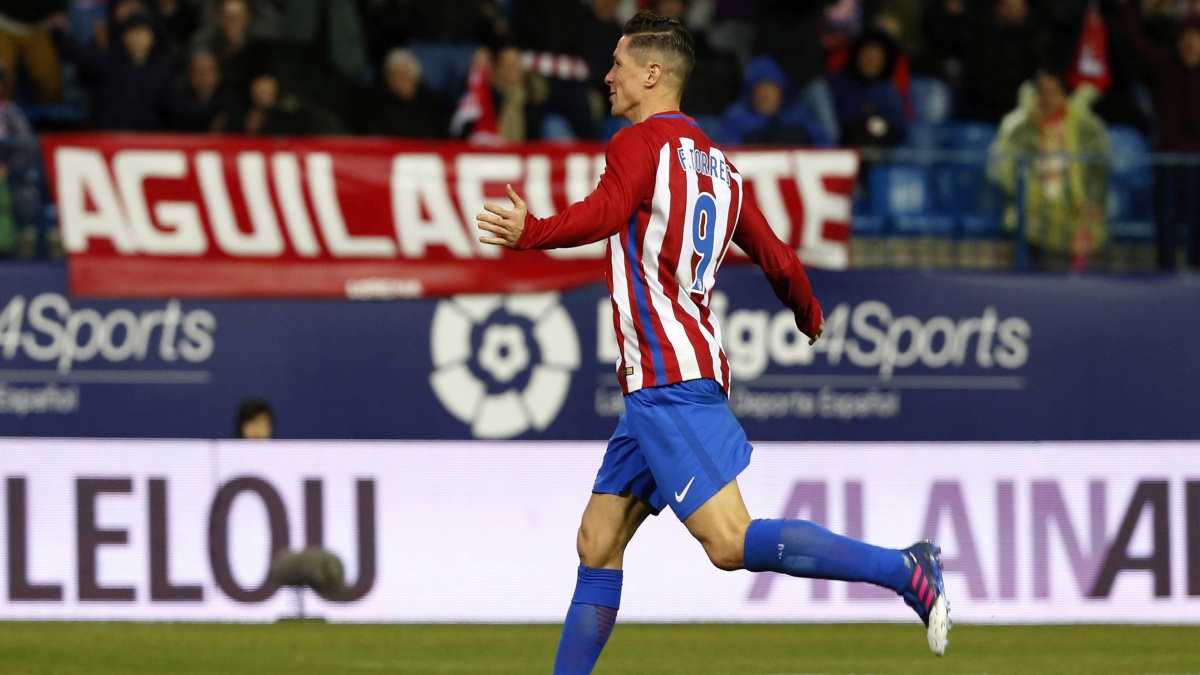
column 859, row 73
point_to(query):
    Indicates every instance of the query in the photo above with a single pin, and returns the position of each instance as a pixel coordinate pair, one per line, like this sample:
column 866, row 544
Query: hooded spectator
column 762, row 116
column 869, row 107
column 1065, row 148
column 131, row 80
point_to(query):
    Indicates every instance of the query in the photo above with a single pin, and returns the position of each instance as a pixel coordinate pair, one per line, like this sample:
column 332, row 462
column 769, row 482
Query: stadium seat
column 964, row 193
column 903, row 193
column 1130, row 154
column 973, row 137
column 932, row 100
column 1130, row 186
column 865, row 222
column 923, row 137
column 1130, row 211
column 444, row 67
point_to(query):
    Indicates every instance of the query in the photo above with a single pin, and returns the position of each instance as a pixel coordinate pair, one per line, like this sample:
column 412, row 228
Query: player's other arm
column 628, row 176
column 782, row 268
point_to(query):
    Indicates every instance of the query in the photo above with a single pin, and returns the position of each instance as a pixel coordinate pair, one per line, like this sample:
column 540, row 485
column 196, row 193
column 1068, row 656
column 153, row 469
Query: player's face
column 623, row 81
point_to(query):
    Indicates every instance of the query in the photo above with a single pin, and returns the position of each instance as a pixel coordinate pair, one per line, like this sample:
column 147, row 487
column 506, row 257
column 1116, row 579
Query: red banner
column 204, row 216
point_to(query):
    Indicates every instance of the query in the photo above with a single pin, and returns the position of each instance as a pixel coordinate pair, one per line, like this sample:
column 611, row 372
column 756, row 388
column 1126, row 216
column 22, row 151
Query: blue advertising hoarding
column 906, row 356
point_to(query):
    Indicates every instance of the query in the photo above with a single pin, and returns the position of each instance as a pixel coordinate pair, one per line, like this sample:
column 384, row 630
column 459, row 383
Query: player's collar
column 674, row 115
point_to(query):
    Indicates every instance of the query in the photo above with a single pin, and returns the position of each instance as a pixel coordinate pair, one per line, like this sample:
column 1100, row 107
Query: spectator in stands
column 868, row 105
column 268, row 112
column 1175, row 82
column 108, row 31
column 241, row 56
column 763, row 116
column 908, row 17
column 131, row 80
column 902, row 67
column 519, row 97
column 266, row 19
column 564, row 42
column 446, row 22
column 26, row 44
column 714, row 83
column 202, row 104
column 18, row 196
column 790, row 33
column 999, row 46
column 410, row 108
column 179, row 21
column 255, row 420
column 1064, row 148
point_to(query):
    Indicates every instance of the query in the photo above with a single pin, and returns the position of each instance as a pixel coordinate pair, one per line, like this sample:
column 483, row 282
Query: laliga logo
column 503, row 364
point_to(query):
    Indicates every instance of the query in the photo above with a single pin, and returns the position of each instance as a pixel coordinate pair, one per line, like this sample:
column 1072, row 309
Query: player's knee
column 596, row 549
column 726, row 555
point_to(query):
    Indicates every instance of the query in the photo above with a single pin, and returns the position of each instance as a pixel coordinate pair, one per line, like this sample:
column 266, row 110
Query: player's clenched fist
column 504, row 225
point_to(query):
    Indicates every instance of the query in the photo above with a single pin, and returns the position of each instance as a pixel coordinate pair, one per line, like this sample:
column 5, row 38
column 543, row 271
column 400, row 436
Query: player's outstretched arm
column 781, row 267
column 504, row 226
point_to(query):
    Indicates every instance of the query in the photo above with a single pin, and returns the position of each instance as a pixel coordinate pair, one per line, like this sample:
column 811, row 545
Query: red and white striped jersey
column 670, row 203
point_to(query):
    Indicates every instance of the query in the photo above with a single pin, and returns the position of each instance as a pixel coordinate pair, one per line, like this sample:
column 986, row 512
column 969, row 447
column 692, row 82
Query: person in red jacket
column 669, row 204
column 1175, row 83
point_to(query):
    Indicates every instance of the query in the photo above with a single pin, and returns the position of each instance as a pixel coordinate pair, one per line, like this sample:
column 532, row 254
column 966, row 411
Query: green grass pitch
column 300, row 648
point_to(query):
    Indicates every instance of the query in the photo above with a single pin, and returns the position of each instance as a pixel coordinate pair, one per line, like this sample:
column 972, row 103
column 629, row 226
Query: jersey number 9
column 704, row 217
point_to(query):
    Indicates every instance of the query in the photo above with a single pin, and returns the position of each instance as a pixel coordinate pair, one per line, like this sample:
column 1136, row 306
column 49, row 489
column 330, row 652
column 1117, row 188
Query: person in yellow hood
column 1064, row 147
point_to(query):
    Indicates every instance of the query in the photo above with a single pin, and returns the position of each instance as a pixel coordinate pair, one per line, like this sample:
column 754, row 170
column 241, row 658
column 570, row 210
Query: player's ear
column 654, row 73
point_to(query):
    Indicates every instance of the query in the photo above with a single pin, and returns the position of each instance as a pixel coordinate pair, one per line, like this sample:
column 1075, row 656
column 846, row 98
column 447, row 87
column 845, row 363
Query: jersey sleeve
column 780, row 264
column 628, row 178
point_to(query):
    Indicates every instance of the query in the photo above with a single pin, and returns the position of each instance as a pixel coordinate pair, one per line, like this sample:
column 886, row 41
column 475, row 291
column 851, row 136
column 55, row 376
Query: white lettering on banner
column 132, row 168
column 183, row 530
column 820, row 206
column 95, row 203
column 868, row 335
column 265, row 239
column 376, row 288
column 82, row 175
column 59, row 334
column 419, row 183
column 51, row 398
column 285, row 168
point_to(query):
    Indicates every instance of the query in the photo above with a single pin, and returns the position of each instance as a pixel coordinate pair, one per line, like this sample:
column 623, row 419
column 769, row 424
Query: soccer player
column 670, row 203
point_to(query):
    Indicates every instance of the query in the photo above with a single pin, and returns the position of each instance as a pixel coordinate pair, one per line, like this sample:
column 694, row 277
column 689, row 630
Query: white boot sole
column 939, row 626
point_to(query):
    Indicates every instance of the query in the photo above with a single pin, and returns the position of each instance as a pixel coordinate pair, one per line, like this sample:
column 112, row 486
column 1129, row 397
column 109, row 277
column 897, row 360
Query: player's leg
column 609, row 522
column 623, row 496
column 691, row 440
column 798, row 548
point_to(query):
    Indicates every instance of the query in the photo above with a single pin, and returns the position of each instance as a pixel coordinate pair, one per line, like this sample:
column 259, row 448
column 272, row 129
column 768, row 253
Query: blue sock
column 589, row 620
column 803, row 549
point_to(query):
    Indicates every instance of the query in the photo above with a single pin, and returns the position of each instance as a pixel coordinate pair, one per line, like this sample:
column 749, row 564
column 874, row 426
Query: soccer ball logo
column 503, row 364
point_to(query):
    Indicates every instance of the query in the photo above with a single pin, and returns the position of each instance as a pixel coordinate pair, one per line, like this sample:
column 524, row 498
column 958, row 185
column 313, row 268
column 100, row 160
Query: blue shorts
column 675, row 445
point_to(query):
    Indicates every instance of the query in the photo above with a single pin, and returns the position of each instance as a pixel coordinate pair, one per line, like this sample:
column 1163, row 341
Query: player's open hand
column 504, row 225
